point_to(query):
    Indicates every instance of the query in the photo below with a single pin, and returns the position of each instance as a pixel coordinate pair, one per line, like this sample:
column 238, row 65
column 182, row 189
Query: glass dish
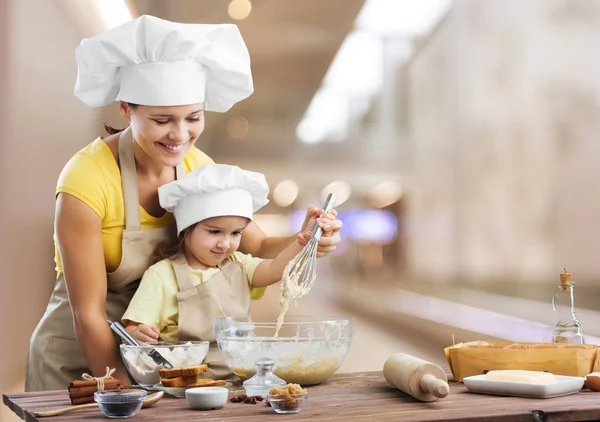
column 287, row 405
column 120, row 404
column 307, row 351
column 263, row 380
column 144, row 370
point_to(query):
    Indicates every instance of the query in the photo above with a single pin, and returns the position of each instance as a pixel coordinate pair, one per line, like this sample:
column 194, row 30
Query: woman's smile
column 174, row 149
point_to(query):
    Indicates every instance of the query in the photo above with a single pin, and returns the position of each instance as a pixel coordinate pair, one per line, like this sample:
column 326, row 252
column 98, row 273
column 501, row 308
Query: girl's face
column 213, row 240
column 165, row 134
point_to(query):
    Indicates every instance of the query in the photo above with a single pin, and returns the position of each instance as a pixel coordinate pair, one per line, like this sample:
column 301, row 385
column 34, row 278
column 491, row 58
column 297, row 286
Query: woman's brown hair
column 112, row 130
column 171, row 248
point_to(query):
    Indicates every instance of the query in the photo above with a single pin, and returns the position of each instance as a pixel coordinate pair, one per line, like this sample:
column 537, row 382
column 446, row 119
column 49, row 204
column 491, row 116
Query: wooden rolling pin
column 423, row 380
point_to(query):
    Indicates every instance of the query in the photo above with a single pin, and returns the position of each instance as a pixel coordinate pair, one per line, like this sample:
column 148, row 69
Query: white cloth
column 154, row 62
column 214, row 190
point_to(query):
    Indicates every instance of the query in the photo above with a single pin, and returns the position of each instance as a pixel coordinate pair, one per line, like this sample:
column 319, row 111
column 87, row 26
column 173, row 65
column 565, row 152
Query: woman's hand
column 143, row 333
column 328, row 223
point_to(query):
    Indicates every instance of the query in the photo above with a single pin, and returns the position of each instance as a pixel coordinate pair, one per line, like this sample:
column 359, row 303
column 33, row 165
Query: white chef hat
column 154, row 62
column 214, row 190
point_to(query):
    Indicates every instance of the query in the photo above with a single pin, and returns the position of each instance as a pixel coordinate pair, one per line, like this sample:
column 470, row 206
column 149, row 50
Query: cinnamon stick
column 92, row 383
column 82, row 400
column 89, row 391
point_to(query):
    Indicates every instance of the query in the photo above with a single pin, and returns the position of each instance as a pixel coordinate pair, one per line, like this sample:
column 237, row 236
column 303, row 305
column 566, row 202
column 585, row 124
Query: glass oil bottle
column 568, row 328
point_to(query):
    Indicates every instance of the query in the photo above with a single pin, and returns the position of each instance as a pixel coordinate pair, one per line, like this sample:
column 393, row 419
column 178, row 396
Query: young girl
column 201, row 275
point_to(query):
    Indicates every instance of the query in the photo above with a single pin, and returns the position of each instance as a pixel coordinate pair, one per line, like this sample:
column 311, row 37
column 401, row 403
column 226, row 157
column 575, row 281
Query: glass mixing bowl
column 307, row 351
column 144, row 370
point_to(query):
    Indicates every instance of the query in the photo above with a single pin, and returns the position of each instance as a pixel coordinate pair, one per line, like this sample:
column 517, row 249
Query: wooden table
column 363, row 396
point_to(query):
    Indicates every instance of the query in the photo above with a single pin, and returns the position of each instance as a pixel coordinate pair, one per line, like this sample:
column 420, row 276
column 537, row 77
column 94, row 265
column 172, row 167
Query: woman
column 108, row 219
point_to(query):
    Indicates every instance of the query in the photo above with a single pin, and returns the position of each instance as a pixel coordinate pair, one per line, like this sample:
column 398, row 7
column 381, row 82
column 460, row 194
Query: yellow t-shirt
column 93, row 176
column 155, row 301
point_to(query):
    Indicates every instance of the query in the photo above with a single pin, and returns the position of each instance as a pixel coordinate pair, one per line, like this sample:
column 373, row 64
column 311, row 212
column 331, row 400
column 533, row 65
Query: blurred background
column 460, row 137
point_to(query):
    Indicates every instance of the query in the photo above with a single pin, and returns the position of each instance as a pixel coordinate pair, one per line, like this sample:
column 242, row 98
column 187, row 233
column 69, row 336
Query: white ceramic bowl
column 206, row 398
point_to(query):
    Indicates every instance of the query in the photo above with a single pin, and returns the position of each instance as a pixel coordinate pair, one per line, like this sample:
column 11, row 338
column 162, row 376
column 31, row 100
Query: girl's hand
column 330, row 226
column 145, row 333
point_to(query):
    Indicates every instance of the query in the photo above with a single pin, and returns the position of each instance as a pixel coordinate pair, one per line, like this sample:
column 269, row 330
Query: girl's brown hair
column 171, row 248
column 112, row 130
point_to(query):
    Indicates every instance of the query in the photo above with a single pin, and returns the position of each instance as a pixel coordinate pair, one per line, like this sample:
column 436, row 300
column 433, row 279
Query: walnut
column 287, row 391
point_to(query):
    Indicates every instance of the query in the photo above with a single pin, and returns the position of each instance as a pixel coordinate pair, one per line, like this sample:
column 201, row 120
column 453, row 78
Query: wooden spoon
column 149, row 401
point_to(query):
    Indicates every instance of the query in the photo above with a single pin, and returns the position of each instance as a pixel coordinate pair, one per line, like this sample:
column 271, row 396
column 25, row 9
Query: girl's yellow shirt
column 93, row 176
column 155, row 301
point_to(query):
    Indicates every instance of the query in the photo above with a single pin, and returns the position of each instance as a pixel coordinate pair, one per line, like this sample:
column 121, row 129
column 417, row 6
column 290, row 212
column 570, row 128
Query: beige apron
column 224, row 294
column 55, row 357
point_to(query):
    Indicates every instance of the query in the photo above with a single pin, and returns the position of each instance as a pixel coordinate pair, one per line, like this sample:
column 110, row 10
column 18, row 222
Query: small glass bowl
column 120, row 404
column 288, row 404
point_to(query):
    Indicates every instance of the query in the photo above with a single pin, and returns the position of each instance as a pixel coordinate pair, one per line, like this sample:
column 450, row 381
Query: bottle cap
column 566, row 277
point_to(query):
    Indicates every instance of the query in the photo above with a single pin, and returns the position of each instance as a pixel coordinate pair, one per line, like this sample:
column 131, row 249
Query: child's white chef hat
column 154, row 62
column 214, row 190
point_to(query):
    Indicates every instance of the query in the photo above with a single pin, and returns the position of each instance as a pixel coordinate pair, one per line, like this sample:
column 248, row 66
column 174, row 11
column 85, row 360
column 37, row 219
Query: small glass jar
column 120, row 404
column 287, row 404
column 263, row 380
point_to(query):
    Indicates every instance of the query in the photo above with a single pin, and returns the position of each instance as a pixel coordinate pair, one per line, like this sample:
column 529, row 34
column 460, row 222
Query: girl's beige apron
column 55, row 357
column 224, row 294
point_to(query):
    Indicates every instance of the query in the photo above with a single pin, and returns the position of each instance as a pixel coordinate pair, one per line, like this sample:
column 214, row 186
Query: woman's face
column 165, row 134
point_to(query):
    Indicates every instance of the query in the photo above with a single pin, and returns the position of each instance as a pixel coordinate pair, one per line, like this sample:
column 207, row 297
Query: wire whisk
column 300, row 274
